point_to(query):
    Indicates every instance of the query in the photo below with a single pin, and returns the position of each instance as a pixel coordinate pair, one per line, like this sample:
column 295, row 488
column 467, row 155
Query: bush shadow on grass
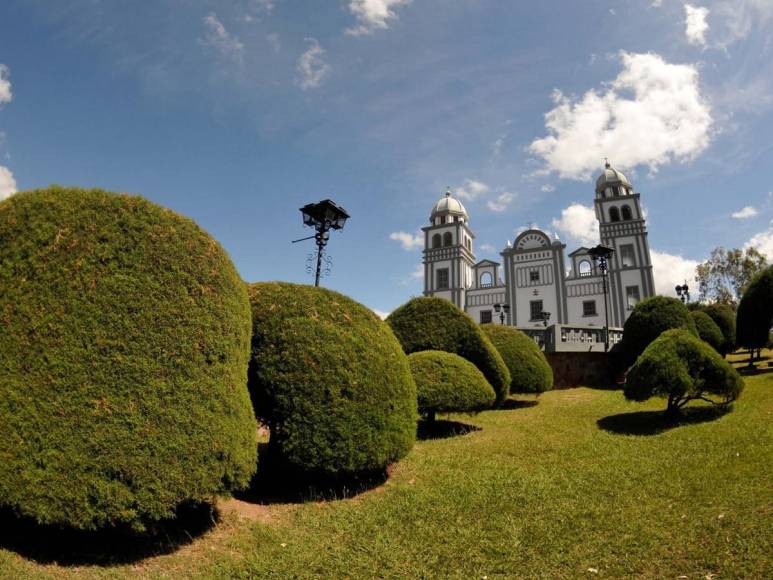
column 47, row 544
column 442, row 429
column 510, row 404
column 655, row 422
column 274, row 483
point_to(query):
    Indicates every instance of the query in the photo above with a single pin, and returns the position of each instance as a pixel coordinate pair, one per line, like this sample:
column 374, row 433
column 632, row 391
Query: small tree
column 708, row 331
column 680, row 367
column 724, row 277
column 723, row 316
column 755, row 312
column 530, row 371
column 648, row 320
column 447, row 383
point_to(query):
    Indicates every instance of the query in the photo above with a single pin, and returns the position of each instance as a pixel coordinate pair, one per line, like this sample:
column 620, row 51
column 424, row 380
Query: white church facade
column 532, row 278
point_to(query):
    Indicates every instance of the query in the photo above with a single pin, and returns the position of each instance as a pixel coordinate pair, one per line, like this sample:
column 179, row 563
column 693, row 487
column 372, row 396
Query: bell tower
column 622, row 227
column 448, row 255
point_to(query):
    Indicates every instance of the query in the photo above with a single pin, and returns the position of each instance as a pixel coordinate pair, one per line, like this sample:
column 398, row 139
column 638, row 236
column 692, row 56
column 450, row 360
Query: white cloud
column 579, row 223
column 373, row 15
column 670, row 270
column 501, row 202
column 471, row 189
column 408, row 241
column 311, row 66
column 695, row 24
column 547, row 188
column 7, row 183
column 665, row 119
column 740, row 16
column 217, row 37
column 5, row 86
column 745, row 213
column 418, row 271
column 381, row 313
column 763, row 242
column 274, row 41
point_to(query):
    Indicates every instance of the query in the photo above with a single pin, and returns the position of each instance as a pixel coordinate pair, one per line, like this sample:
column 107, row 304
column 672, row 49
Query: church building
column 532, row 278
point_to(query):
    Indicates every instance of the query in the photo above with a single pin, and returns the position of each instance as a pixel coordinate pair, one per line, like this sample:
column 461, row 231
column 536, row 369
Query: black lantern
column 502, row 309
column 601, row 255
column 323, row 217
column 683, row 292
column 545, row 316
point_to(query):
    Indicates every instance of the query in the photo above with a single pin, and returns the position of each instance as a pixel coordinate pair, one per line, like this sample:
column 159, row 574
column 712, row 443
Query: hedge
column 447, row 383
column 430, row 323
column 708, row 331
column 723, row 316
column 329, row 379
column 529, row 369
column 755, row 312
column 123, row 361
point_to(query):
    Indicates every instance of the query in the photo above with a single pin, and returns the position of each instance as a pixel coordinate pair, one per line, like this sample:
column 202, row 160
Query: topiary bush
column 680, row 367
column 723, row 316
column 123, row 361
column 447, row 383
column 648, row 320
column 755, row 312
column 435, row 324
column 708, row 331
column 529, row 369
column 330, row 380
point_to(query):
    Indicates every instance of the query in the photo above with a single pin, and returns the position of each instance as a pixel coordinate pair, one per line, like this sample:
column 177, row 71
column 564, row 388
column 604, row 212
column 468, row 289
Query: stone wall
column 578, row 369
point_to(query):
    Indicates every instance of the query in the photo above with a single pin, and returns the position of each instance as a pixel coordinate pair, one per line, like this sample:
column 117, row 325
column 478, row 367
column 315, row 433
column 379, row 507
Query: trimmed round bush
column 123, row 361
column 529, row 369
column 447, row 383
column 329, row 379
column 430, row 323
column 708, row 331
column 723, row 316
column 680, row 367
column 755, row 312
column 649, row 319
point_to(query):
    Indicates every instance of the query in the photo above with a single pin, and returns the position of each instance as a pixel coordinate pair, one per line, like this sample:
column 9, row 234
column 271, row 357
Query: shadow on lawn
column 110, row 547
column 654, row 422
column 510, row 404
column 442, row 429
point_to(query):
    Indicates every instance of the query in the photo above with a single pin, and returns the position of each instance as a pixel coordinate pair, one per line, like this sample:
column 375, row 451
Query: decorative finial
column 448, row 191
column 606, row 163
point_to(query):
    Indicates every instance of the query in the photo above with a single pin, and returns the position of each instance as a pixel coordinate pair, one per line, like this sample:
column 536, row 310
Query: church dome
column 612, row 178
column 446, row 206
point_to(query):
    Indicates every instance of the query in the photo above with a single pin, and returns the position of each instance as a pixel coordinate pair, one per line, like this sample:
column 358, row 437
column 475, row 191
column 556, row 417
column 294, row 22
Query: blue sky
column 236, row 113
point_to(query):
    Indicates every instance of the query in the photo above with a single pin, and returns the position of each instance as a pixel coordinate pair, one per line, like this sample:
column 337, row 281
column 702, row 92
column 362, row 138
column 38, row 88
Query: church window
column 627, row 213
column 533, row 275
column 626, row 256
column 485, row 280
column 589, row 308
column 456, row 218
column 485, row 316
column 442, row 219
column 585, row 268
column 436, row 241
column 535, row 310
column 614, row 214
column 442, row 279
column 632, row 296
column 448, row 239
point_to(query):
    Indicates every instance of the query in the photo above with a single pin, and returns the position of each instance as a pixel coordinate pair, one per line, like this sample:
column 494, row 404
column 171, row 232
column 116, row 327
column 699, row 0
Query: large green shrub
column 330, row 380
column 529, row 369
column 680, row 367
column 123, row 361
column 723, row 316
column 755, row 312
column 447, row 383
column 436, row 324
column 648, row 320
column 708, row 331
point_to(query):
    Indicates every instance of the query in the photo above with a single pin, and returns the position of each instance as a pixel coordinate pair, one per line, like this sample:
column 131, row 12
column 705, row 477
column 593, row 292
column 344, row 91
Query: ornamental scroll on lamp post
column 323, row 217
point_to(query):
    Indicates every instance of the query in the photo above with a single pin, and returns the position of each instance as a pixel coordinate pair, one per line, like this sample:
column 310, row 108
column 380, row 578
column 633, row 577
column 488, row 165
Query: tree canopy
column 755, row 312
column 724, row 277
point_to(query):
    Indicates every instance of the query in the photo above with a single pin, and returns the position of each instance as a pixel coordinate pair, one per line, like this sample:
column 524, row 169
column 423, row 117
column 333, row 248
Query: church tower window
column 627, row 213
column 626, row 256
column 436, row 241
column 614, row 214
column 442, row 279
column 448, row 239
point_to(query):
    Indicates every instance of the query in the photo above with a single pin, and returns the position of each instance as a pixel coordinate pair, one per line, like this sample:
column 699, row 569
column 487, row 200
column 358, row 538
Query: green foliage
column 447, row 383
column 529, row 369
column 330, row 380
column 680, row 367
column 723, row 316
column 123, row 361
column 755, row 312
column 436, row 324
column 708, row 331
column 648, row 320
column 724, row 277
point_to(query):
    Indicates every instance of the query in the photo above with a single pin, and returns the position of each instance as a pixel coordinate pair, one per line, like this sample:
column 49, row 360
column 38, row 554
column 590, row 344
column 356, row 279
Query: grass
column 556, row 489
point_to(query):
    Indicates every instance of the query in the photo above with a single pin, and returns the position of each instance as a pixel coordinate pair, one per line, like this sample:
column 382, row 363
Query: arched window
column 485, row 280
column 436, row 241
column 585, row 268
column 627, row 213
column 448, row 239
column 614, row 214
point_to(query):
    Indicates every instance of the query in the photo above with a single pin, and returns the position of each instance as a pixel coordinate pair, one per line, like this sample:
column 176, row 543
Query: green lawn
column 539, row 491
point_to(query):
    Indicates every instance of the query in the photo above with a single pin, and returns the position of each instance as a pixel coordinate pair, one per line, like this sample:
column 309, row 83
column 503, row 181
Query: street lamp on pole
column 502, row 309
column 545, row 318
column 323, row 217
column 600, row 255
column 683, row 292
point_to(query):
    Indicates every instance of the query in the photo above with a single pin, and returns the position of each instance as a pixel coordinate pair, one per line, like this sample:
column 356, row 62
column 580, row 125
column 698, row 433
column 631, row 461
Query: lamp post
column 323, row 217
column 502, row 309
column 683, row 292
column 600, row 255
column 545, row 316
